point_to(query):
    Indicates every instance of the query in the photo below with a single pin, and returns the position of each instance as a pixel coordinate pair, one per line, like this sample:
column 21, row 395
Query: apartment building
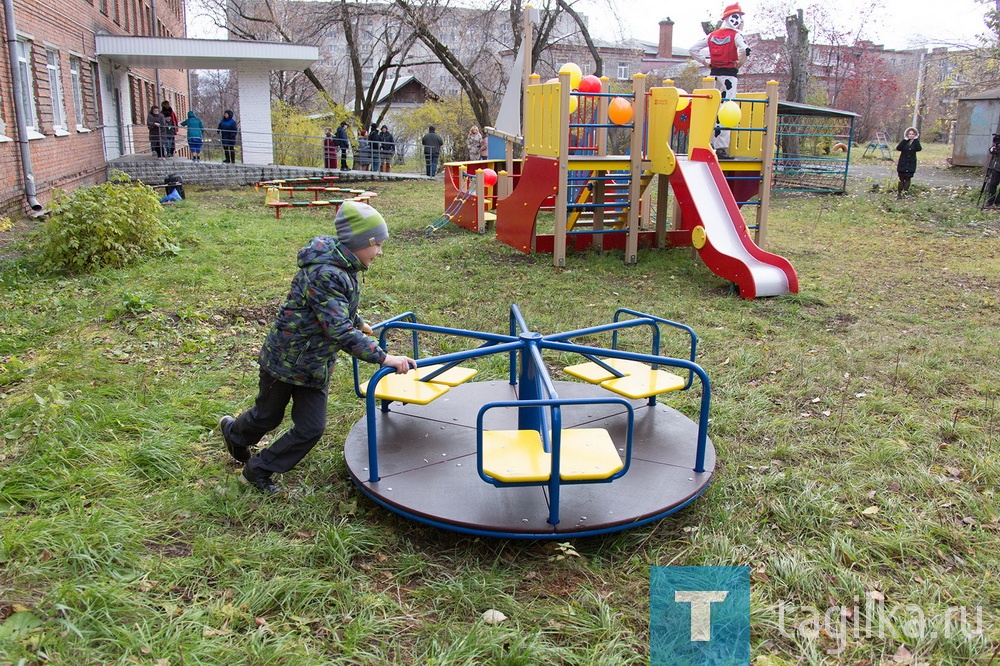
column 78, row 108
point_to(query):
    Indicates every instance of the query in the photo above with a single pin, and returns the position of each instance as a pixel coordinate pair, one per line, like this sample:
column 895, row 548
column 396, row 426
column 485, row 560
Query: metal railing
column 289, row 149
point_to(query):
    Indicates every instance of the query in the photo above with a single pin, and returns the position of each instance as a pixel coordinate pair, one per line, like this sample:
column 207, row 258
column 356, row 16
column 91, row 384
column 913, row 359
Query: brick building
column 78, row 108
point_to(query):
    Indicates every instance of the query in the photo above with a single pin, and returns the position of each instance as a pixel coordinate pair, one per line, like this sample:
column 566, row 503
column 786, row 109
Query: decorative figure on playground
column 727, row 52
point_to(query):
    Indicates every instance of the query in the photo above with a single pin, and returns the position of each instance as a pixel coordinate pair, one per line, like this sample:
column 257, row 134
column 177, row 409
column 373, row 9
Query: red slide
column 710, row 212
column 539, row 180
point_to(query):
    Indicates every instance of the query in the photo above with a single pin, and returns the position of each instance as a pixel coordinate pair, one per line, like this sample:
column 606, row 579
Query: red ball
column 489, row 177
column 590, row 84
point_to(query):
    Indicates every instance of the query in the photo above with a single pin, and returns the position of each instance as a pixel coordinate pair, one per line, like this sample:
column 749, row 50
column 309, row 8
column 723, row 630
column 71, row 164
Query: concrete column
column 254, row 115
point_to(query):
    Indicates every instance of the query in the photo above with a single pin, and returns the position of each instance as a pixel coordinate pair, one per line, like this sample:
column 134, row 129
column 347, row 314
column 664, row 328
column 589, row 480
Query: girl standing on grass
column 907, row 165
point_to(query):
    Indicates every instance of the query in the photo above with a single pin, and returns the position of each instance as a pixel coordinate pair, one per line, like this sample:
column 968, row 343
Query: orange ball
column 489, row 177
column 619, row 111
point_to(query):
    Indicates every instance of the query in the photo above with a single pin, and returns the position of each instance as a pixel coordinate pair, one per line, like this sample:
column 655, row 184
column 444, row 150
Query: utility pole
column 920, row 89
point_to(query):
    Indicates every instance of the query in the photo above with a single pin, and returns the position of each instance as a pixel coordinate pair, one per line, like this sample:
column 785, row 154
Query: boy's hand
column 402, row 364
column 366, row 329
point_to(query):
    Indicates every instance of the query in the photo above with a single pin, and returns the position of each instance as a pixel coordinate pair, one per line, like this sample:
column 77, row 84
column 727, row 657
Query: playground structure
column 533, row 457
column 472, row 200
column 318, row 185
column 602, row 201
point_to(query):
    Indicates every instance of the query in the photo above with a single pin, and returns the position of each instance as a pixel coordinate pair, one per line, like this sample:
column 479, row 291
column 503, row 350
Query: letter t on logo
column 701, row 611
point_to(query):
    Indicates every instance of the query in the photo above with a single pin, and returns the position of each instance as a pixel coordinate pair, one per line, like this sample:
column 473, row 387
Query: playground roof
column 987, row 94
column 797, row 109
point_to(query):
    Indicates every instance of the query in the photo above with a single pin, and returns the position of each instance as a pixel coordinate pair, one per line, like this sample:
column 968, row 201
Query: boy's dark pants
column 308, row 424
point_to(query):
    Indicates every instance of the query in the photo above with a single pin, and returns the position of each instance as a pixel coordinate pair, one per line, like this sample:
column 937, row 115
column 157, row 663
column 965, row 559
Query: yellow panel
column 515, row 456
column 662, row 109
column 451, row 377
column 643, row 385
column 595, row 374
column 406, row 388
column 596, row 163
column 588, row 454
column 749, row 144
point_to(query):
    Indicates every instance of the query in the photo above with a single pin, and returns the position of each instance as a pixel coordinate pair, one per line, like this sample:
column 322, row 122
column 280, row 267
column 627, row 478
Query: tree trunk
column 798, row 69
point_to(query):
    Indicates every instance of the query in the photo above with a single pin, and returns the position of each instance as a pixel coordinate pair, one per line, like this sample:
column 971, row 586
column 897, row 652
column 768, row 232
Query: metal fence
column 289, row 149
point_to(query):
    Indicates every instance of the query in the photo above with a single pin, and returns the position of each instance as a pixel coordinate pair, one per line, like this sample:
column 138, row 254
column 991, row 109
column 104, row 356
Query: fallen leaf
column 902, row 656
column 870, row 511
column 493, row 617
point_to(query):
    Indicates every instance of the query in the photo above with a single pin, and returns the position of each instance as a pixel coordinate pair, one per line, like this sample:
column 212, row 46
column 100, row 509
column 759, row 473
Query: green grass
column 856, row 426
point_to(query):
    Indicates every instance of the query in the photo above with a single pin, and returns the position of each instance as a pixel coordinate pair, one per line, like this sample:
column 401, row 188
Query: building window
column 27, row 83
column 104, row 7
column 77, row 83
column 623, row 71
column 56, row 93
column 95, row 91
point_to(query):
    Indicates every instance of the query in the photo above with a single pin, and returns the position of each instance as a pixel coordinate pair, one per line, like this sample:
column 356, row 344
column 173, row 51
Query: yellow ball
column 682, row 102
column 575, row 74
column 730, row 114
column 573, row 104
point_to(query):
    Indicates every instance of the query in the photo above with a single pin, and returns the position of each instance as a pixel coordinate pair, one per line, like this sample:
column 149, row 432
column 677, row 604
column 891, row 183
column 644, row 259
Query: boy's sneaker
column 723, row 154
column 260, row 482
column 240, row 453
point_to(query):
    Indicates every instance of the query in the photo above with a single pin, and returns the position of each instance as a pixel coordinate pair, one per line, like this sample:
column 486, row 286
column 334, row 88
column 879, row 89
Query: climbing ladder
column 881, row 144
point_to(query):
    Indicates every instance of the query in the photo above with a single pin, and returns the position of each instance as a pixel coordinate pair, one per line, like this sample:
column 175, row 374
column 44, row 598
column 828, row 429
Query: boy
column 318, row 319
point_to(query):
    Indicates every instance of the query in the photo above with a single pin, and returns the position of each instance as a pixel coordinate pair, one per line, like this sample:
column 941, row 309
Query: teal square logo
column 699, row 615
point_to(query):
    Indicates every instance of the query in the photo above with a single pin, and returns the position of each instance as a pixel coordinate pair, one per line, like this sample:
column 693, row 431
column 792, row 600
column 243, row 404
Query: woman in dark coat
column 170, row 129
column 156, row 124
column 388, row 144
column 227, row 134
column 907, row 165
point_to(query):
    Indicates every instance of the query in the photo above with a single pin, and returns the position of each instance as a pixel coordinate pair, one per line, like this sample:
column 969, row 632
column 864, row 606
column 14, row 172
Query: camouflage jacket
column 318, row 318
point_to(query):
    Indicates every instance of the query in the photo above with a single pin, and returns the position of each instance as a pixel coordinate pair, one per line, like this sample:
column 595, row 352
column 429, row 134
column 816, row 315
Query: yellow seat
column 451, row 377
column 406, row 388
column 640, row 380
column 644, row 384
column 595, row 374
column 512, row 456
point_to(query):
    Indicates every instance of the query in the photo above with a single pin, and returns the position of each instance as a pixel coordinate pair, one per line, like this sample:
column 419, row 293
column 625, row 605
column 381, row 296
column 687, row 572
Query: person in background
column 727, row 51
column 387, row 146
column 343, row 143
column 318, row 319
column 329, row 150
column 474, row 143
column 228, row 128
column 155, row 123
column 484, row 147
column 907, row 164
column 375, row 145
column 171, row 127
column 432, row 143
column 194, row 131
column 364, row 151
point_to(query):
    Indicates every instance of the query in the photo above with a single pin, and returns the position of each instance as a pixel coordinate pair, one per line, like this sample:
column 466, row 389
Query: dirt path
column 930, row 175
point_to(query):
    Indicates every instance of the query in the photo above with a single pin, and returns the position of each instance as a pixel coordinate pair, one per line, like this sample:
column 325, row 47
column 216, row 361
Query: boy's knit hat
column 359, row 225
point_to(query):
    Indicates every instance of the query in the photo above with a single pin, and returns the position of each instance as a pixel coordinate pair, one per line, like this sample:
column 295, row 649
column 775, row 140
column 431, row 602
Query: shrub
column 105, row 225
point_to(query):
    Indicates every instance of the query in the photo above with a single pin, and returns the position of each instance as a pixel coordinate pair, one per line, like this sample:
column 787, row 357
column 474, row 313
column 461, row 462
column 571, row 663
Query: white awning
column 172, row 53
